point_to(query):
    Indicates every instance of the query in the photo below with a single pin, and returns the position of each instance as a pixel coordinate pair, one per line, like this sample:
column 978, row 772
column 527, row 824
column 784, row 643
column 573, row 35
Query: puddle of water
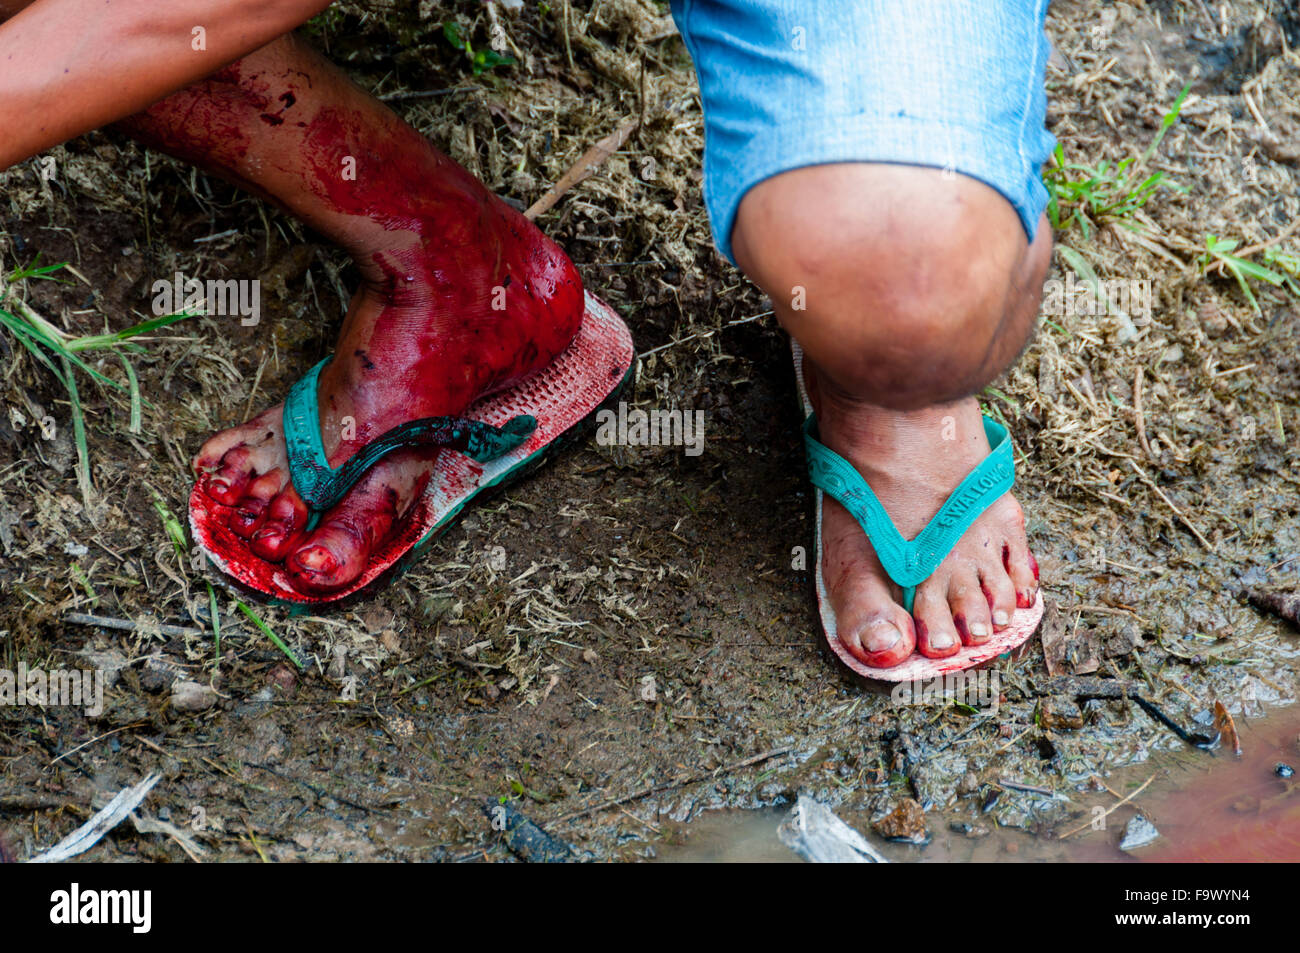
column 1240, row 810
column 1207, row 808
column 731, row 837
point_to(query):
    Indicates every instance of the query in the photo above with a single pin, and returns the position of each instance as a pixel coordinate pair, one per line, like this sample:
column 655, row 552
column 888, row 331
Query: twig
column 1139, row 418
column 1197, row 740
column 90, row 833
column 1104, row 610
column 257, row 846
column 146, row 824
column 127, row 625
column 318, row 790
column 1118, row 804
column 257, row 380
column 568, row 47
column 702, row 334
column 217, row 237
column 1279, row 237
column 591, row 160
column 30, row 802
column 71, row 751
column 669, row 785
column 1254, row 110
column 641, row 97
column 1030, row 788
column 425, row 93
column 1170, row 503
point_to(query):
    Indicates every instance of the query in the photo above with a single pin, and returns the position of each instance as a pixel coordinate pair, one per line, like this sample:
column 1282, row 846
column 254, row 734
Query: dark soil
column 621, row 641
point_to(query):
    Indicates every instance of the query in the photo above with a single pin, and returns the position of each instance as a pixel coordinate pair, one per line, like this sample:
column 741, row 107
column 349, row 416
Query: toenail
column 316, row 559
column 1001, row 617
column 940, row 640
column 979, row 629
column 882, row 637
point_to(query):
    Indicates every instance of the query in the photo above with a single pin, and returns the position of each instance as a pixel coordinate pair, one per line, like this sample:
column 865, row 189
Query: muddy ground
column 621, row 641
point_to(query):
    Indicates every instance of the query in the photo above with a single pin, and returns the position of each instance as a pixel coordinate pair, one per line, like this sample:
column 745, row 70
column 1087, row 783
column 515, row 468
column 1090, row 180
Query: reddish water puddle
column 1241, row 809
column 1207, row 808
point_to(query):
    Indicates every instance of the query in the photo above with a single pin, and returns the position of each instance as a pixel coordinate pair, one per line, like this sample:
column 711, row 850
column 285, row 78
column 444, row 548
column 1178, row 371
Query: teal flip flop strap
column 321, row 486
column 911, row 563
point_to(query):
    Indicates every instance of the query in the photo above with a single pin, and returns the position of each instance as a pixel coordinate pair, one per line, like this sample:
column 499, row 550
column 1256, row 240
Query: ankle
column 861, row 421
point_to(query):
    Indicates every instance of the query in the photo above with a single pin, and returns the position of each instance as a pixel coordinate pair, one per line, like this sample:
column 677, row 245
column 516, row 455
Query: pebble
column 191, row 696
column 1138, row 833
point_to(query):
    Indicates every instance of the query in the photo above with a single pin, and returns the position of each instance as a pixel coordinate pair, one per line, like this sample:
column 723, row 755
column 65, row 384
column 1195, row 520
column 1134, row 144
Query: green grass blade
column 216, row 620
column 1084, row 270
column 134, row 425
column 15, row 325
column 175, row 532
column 33, row 271
column 1253, row 270
column 1170, row 118
column 79, row 435
column 275, row 639
column 97, row 341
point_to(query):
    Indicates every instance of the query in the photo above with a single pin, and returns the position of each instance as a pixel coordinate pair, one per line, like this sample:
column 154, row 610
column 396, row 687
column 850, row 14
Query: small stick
column 126, row 625
column 425, row 93
column 1197, row 740
column 668, row 785
column 568, row 48
column 1089, row 823
column 1031, row 788
column 257, row 380
column 1170, row 503
column 134, row 724
column 1138, row 417
column 591, row 160
column 89, row 834
column 1254, row 110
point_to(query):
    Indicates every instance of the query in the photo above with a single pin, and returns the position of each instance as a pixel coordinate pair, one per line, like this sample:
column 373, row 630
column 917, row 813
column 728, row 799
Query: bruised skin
column 975, row 590
column 460, row 296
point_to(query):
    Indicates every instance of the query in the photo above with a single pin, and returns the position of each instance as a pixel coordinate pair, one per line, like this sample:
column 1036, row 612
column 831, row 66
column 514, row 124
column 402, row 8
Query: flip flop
column 909, row 563
column 497, row 440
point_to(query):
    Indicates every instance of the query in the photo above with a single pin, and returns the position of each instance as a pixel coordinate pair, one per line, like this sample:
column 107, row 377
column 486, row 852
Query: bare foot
column 912, row 468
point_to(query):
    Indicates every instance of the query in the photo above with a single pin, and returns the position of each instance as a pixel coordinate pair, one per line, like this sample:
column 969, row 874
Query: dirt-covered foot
column 433, row 328
column 913, row 461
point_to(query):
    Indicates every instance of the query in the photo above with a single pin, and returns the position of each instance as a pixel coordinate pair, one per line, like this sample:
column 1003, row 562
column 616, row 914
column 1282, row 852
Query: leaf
column 1226, row 727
